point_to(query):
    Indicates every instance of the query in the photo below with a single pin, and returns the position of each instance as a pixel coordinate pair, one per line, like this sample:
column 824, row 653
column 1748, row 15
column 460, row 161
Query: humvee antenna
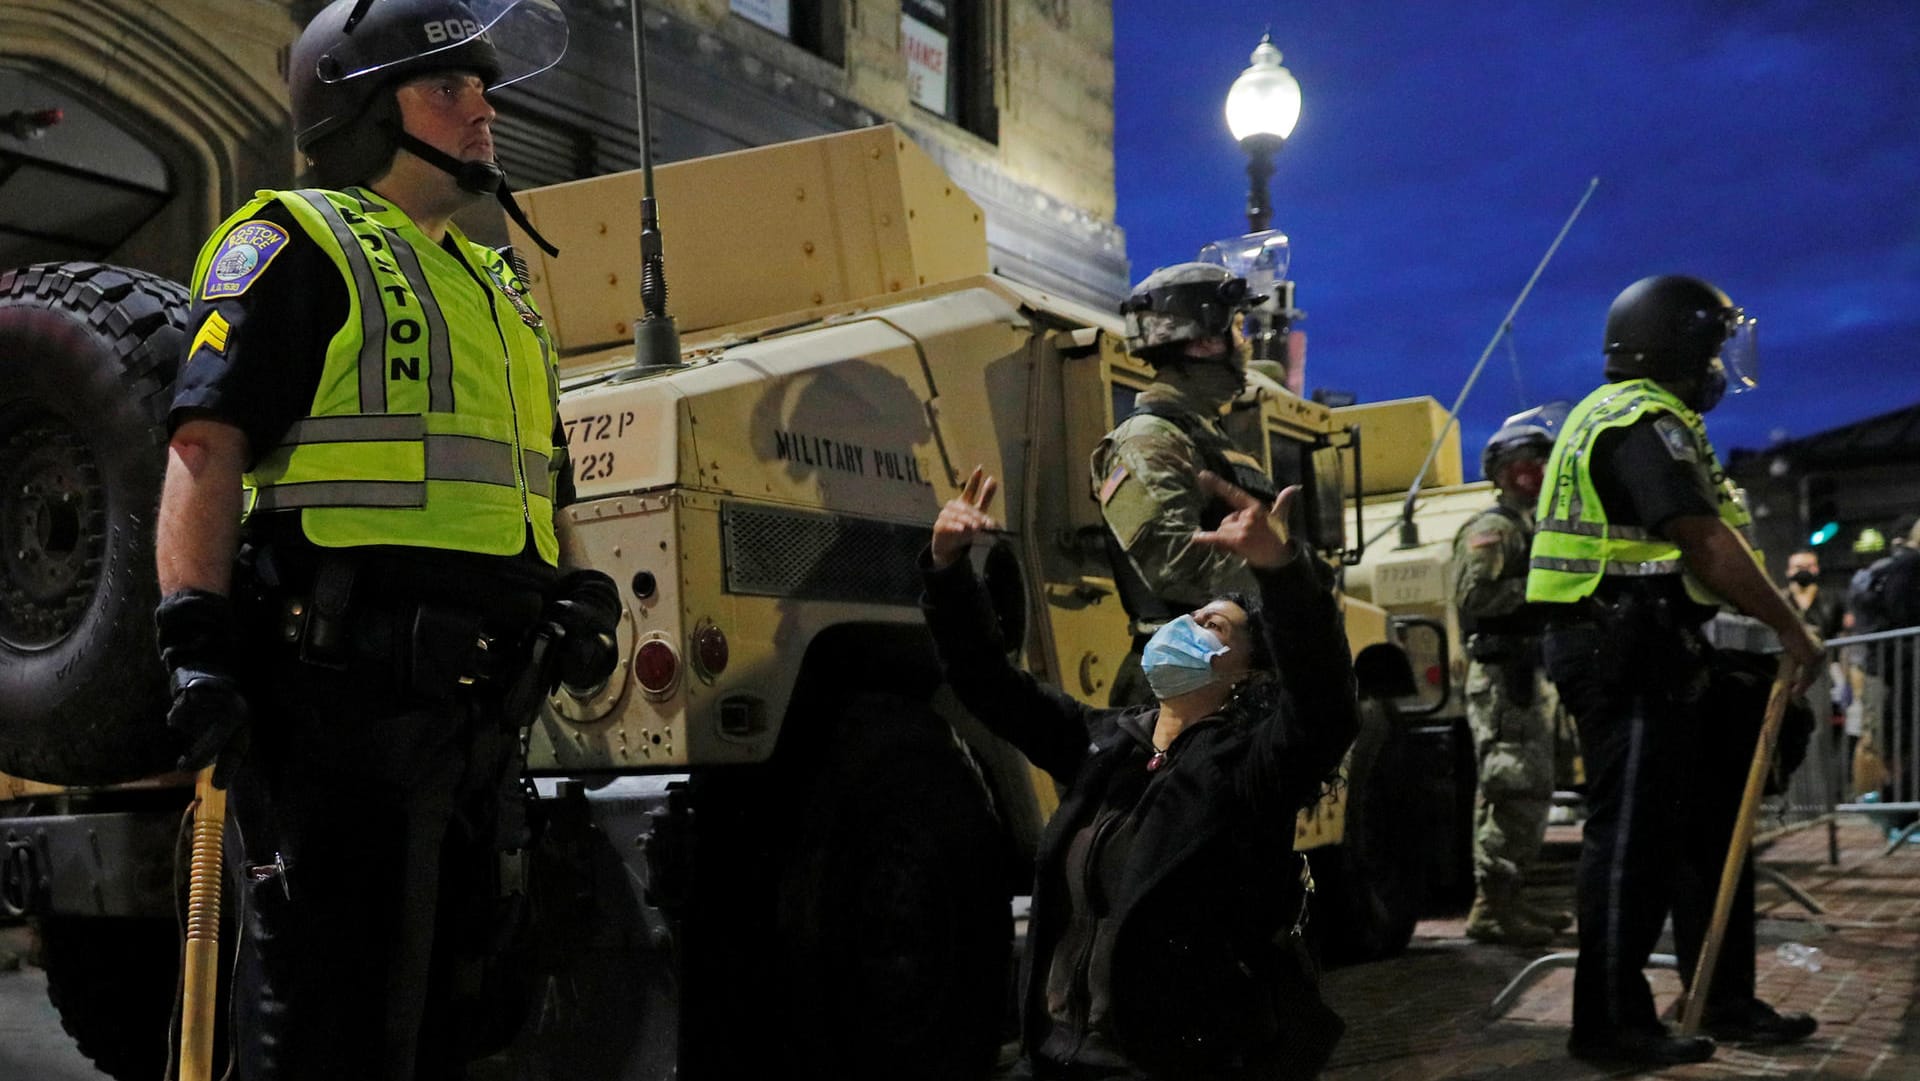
column 1410, row 530
column 656, row 342
column 353, row 17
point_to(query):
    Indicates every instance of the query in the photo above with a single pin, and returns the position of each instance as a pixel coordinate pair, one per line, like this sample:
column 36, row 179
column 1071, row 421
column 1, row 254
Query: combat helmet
column 340, row 75
column 1182, row 303
column 1529, row 432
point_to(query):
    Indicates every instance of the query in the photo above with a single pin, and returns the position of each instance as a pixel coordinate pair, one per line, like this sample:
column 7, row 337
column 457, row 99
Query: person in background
column 1825, row 614
column 1823, row 611
column 1145, row 473
column 1511, row 707
column 1885, row 596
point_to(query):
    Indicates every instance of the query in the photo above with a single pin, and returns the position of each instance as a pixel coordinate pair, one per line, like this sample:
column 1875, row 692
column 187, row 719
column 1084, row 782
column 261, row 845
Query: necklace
column 1159, row 759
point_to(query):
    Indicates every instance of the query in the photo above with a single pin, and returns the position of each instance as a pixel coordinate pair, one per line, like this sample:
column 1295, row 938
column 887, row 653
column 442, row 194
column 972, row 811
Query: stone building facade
column 173, row 113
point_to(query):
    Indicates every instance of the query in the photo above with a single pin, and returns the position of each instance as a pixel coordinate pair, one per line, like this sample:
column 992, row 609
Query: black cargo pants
column 362, row 838
column 1661, row 805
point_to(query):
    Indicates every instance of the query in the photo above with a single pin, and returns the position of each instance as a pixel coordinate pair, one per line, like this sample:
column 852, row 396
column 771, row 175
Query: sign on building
column 774, row 15
column 923, row 40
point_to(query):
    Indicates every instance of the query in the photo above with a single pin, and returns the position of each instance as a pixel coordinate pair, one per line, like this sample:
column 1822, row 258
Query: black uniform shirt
column 1643, row 481
column 1645, row 478
column 260, row 375
column 264, row 375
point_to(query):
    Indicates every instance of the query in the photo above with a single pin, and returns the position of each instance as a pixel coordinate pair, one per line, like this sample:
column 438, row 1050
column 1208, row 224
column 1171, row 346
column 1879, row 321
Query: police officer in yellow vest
column 357, row 550
column 1640, row 537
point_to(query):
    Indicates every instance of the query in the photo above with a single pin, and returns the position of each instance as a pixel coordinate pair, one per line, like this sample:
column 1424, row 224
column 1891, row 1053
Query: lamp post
column 1262, row 108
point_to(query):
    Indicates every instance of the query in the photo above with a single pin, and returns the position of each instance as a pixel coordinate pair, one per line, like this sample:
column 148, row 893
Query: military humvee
column 772, row 844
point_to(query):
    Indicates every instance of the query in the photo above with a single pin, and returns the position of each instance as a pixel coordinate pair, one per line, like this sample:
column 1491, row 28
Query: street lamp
column 1262, row 108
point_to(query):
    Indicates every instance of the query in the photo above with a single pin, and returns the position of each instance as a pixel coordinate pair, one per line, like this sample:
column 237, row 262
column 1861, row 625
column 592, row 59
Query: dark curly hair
column 1262, row 695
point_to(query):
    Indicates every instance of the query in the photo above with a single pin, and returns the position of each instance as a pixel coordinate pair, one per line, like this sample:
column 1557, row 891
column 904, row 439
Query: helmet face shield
column 518, row 37
column 1740, row 353
column 1260, row 258
column 1531, row 432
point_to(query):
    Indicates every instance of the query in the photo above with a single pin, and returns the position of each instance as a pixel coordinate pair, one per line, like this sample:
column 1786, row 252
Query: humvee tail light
column 656, row 667
column 709, row 649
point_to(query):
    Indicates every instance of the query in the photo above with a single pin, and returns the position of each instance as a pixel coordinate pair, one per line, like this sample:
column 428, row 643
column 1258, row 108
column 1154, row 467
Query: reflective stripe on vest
column 432, row 423
column 1574, row 546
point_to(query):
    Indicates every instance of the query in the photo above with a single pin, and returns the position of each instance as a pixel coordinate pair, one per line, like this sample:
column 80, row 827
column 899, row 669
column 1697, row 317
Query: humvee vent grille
column 814, row 556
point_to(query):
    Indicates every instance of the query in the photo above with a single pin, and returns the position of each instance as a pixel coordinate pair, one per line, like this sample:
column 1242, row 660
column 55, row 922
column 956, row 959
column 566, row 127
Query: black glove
column 195, row 631
column 585, row 605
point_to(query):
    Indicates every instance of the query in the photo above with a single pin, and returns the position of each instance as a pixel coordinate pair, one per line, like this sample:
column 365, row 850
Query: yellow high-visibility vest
column 433, row 422
column 1574, row 546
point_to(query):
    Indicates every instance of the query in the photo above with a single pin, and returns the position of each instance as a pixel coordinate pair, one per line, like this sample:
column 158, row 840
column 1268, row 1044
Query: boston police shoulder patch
column 1679, row 442
column 242, row 258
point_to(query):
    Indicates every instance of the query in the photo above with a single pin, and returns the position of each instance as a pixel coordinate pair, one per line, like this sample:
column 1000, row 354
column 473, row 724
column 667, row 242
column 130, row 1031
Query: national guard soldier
column 1511, row 707
column 1640, row 537
column 358, row 552
column 1145, row 473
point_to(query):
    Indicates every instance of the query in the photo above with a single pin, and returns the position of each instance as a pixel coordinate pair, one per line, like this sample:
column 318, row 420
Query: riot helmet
column 1674, row 328
column 1183, row 303
column 341, row 78
column 1527, row 434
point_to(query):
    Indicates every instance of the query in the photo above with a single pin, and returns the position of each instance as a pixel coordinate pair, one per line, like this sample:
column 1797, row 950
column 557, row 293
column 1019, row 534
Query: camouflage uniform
column 1145, row 476
column 1511, row 709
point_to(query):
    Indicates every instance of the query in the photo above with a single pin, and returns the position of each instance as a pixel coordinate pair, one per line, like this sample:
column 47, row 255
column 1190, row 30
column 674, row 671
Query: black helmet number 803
column 333, row 76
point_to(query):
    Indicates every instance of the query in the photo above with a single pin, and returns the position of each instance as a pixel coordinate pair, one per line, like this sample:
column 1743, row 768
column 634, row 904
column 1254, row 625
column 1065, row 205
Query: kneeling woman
column 1167, row 886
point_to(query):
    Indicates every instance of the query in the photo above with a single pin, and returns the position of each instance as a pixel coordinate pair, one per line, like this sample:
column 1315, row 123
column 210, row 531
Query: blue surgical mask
column 1179, row 658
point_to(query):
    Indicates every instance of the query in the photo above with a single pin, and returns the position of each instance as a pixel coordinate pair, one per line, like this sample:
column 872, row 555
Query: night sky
column 1772, row 148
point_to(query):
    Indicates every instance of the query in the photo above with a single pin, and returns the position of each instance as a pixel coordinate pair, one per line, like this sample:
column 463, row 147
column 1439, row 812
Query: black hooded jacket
column 1208, row 883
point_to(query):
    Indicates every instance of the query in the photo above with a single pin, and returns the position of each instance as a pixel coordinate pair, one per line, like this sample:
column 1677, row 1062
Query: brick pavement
column 1422, row 1016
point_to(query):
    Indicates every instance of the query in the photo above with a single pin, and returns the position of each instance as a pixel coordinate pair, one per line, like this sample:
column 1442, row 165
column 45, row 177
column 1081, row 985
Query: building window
column 814, row 25
column 538, row 149
column 948, row 49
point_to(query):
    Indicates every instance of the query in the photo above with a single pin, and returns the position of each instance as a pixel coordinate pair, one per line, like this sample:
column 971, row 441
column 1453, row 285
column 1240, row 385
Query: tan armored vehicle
column 772, row 844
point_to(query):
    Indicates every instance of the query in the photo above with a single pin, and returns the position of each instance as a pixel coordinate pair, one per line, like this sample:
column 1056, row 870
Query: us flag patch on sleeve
column 1112, row 484
column 249, row 247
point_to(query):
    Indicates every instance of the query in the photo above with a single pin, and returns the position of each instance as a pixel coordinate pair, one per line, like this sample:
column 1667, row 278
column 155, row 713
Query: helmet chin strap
column 478, row 177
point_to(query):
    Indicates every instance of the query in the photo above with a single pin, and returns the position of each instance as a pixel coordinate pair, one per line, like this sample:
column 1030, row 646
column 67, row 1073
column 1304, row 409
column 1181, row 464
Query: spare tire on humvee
column 87, row 360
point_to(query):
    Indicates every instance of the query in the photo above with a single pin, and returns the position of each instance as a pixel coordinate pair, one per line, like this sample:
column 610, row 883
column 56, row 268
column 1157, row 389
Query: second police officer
column 1145, row 473
column 1641, row 536
column 1511, row 708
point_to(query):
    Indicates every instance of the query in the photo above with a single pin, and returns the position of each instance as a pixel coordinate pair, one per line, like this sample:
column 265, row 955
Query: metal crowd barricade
column 1816, row 786
column 1877, row 772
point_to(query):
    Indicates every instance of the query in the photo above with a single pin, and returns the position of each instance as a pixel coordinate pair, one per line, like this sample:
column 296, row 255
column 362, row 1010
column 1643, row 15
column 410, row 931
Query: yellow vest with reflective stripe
column 433, row 422
column 1574, row 546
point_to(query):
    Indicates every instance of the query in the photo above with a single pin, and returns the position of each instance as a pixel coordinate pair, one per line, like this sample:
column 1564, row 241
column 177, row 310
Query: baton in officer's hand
column 1809, row 655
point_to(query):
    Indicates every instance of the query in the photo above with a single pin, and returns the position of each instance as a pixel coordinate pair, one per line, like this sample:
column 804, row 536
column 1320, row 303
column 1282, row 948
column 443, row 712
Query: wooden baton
column 1696, row 1003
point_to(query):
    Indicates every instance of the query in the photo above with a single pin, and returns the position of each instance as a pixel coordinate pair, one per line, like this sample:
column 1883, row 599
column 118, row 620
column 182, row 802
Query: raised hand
column 963, row 518
column 1251, row 531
